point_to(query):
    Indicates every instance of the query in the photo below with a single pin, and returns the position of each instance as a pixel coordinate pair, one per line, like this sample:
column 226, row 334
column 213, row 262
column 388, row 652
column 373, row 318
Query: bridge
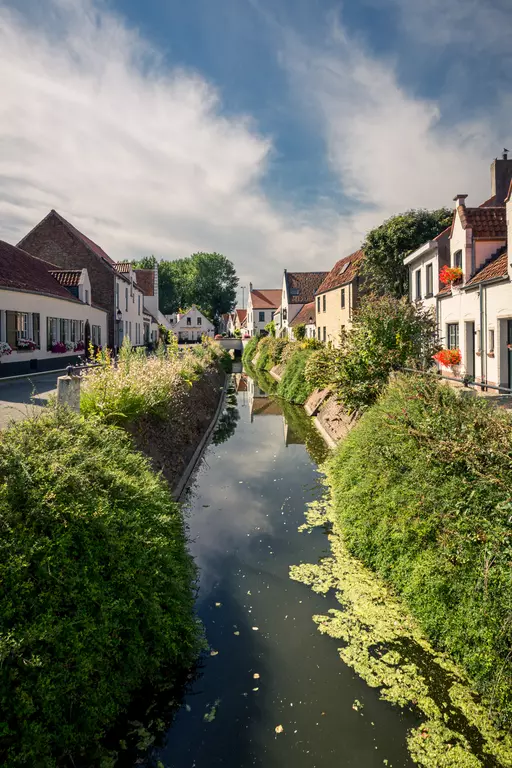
column 232, row 345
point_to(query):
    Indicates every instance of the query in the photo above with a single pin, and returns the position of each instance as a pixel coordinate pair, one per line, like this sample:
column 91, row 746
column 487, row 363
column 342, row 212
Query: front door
column 509, row 353
column 470, row 350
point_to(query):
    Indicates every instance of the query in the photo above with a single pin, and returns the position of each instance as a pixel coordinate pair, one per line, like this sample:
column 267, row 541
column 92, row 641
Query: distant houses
column 190, row 325
column 261, row 308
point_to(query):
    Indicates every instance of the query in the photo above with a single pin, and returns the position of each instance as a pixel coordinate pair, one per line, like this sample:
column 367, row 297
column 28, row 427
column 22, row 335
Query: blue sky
column 275, row 131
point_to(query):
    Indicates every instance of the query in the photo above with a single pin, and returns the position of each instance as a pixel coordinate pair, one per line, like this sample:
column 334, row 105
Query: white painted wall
column 46, row 306
column 130, row 300
column 429, row 257
column 191, row 326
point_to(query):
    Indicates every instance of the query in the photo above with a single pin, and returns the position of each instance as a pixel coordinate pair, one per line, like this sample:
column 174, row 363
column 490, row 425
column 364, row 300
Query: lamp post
column 119, row 320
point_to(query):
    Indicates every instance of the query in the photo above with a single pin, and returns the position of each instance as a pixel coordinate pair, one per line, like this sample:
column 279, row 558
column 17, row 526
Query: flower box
column 448, row 357
column 450, row 275
column 5, row 348
column 79, row 346
column 26, row 345
column 58, row 348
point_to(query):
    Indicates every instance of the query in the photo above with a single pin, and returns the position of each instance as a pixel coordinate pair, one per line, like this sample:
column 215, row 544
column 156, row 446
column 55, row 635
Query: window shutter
column 36, row 326
column 12, row 335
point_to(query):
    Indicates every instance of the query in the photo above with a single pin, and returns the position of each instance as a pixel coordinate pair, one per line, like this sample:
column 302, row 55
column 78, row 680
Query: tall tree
column 386, row 247
column 147, row 262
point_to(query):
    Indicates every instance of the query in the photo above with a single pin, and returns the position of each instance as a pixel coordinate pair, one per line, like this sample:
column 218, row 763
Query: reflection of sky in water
column 247, row 502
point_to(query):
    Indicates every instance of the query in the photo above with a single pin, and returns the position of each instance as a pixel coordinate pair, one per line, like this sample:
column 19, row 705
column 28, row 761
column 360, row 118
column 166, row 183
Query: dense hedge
column 97, row 585
column 293, row 386
column 422, row 490
column 250, row 350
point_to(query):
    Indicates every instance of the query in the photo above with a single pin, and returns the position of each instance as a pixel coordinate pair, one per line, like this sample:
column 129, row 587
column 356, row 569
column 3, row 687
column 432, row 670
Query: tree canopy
column 386, row 247
column 208, row 280
column 147, row 262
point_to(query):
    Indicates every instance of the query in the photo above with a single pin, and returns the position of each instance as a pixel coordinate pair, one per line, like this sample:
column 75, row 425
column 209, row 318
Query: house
column 191, row 325
column 56, row 241
column 147, row 281
column 237, row 322
column 306, row 317
column 261, row 306
column 224, row 322
column 47, row 316
column 337, row 297
column 425, row 265
column 299, row 288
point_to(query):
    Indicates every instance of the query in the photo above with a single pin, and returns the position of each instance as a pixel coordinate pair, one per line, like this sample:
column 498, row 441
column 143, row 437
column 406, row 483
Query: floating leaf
column 279, row 729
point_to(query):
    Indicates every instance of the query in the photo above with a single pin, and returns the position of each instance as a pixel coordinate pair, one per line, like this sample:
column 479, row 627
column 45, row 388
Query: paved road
column 20, row 398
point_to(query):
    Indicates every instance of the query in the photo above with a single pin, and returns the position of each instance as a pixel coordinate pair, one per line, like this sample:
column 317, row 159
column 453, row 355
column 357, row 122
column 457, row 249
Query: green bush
column 293, row 385
column 97, row 585
column 421, row 488
column 300, row 331
column 319, row 368
column 250, row 350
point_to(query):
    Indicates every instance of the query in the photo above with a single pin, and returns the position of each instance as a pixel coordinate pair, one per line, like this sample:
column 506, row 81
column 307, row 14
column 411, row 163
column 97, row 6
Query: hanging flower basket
column 5, row 348
column 450, row 275
column 26, row 345
column 448, row 357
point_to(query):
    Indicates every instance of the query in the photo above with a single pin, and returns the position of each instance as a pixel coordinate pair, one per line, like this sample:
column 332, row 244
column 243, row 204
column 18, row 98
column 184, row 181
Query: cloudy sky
column 274, row 131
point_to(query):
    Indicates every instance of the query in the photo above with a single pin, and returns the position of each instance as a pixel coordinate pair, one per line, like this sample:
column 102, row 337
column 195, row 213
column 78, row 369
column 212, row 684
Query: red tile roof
column 486, row 223
column 242, row 315
column 122, row 266
column 68, row 277
column 306, row 315
column 302, row 286
column 19, row 271
column 266, row 298
column 342, row 273
column 494, row 269
column 146, row 281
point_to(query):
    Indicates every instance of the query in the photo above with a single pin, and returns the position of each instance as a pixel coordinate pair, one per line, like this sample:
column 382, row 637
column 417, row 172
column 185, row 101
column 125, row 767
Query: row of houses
column 60, row 291
column 464, row 275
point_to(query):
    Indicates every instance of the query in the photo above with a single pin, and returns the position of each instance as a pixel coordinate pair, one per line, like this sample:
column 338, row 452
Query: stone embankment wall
column 330, row 418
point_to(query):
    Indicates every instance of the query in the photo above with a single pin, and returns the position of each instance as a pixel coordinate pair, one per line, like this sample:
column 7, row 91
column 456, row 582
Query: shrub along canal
column 272, row 691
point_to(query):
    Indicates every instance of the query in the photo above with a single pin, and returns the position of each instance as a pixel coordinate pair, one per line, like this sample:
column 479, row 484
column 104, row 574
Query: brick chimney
column 501, row 176
column 460, row 200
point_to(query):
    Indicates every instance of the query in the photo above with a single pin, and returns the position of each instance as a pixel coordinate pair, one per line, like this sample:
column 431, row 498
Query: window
column 418, row 284
column 491, row 340
column 294, row 292
column 325, row 333
column 199, row 320
column 130, row 332
column 117, row 295
column 343, row 298
column 430, row 281
column 138, row 303
column 189, row 321
column 324, row 297
column 126, row 299
column 261, row 317
column 457, row 259
column 86, row 296
column 318, row 329
column 453, row 335
column 58, row 329
column 285, row 314
column 96, row 335
column 318, row 304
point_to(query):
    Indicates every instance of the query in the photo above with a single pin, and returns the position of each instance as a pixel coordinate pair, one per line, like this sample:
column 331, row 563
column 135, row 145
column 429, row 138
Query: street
column 20, row 398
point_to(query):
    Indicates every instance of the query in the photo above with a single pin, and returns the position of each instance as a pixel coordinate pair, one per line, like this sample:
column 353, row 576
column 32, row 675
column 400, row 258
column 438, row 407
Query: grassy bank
column 98, row 586
column 268, row 352
column 421, row 490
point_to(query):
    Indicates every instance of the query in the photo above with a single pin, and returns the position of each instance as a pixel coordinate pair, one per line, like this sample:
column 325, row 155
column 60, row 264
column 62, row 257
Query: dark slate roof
column 342, row 273
column 486, row 223
column 496, row 267
column 146, row 281
column 266, row 298
column 307, row 315
column 302, row 286
column 68, row 277
column 19, row 271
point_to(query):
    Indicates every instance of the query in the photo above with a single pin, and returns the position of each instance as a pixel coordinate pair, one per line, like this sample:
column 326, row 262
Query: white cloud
column 137, row 156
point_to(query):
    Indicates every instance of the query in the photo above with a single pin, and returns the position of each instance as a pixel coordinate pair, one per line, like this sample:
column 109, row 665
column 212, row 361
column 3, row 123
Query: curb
column 182, row 484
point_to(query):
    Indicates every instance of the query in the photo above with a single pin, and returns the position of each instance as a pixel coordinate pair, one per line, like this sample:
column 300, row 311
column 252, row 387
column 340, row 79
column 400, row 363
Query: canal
column 272, row 691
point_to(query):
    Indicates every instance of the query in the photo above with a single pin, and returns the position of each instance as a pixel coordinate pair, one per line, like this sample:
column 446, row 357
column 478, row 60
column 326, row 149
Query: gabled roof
column 19, row 271
column 343, row 272
column 147, row 312
column 122, row 266
column 68, row 277
column 486, row 223
column 494, row 269
column 146, row 281
column 307, row 315
column 94, row 247
column 302, row 286
column 266, row 298
column 242, row 315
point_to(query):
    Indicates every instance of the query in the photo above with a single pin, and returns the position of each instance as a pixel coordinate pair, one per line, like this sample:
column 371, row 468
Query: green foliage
column 386, row 247
column 271, row 328
column 299, row 331
column 421, row 488
column 237, row 333
column 97, row 585
column 207, row 280
column 386, row 334
column 319, row 371
column 249, row 352
column 270, row 351
column 147, row 262
column 293, row 385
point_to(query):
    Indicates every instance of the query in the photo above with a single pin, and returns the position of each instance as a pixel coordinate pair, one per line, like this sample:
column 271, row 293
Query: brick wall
column 52, row 241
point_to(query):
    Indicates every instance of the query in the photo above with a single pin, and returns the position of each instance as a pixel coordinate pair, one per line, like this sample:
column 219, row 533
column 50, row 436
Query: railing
column 467, row 381
column 74, row 370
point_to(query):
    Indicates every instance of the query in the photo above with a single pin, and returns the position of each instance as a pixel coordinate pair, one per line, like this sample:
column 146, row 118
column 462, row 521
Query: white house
column 306, row 316
column 147, row 281
column 425, row 264
column 47, row 315
column 190, row 325
column 129, row 301
column 261, row 307
column 299, row 288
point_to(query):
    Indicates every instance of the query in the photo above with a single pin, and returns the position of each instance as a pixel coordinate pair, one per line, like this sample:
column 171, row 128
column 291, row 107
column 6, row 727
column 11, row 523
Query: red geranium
column 448, row 357
column 449, row 275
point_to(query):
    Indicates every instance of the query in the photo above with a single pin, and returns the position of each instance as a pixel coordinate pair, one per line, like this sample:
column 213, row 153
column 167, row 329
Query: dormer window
column 294, row 292
column 344, row 268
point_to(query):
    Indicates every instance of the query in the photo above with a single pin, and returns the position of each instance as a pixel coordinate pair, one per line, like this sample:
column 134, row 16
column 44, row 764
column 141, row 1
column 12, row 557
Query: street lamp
column 119, row 320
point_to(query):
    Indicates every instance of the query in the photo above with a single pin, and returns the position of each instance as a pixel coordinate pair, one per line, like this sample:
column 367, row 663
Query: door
column 509, row 353
column 470, row 350
column 87, row 337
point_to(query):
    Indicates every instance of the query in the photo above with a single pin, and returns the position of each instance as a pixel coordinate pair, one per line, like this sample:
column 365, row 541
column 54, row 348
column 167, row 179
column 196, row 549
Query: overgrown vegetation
column 294, row 386
column 96, row 581
column 421, row 488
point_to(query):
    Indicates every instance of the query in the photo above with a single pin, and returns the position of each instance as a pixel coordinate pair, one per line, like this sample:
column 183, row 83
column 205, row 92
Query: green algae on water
column 386, row 647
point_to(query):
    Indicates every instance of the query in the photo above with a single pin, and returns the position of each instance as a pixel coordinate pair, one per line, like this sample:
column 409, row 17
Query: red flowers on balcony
column 448, row 357
column 449, row 275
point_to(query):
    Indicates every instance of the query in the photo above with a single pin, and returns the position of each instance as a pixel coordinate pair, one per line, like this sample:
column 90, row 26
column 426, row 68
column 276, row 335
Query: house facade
column 47, row 318
column 298, row 289
column 56, row 241
column 306, row 317
column 261, row 307
column 337, row 297
column 191, row 325
column 425, row 265
column 129, row 307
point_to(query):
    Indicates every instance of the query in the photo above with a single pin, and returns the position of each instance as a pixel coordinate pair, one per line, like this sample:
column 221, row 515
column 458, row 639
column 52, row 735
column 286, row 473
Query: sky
column 276, row 132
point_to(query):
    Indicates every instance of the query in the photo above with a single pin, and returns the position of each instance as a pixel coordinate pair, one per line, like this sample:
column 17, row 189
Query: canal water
column 272, row 691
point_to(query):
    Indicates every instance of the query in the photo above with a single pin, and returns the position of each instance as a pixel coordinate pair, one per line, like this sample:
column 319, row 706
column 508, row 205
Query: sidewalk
column 20, row 398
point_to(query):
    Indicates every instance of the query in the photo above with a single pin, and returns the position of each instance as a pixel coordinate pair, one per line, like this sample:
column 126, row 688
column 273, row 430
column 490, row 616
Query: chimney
column 501, row 176
column 250, row 287
column 460, row 200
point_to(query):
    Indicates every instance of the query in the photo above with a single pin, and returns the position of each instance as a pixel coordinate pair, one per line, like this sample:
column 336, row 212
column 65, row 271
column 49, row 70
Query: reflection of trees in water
column 228, row 420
